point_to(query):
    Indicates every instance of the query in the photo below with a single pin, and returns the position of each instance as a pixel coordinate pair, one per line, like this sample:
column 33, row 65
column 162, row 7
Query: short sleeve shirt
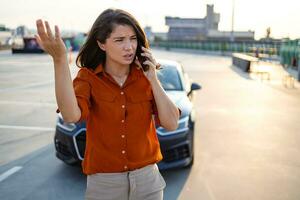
column 121, row 134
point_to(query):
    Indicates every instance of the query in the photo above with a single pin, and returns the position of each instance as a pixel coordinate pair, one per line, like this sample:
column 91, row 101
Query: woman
column 116, row 95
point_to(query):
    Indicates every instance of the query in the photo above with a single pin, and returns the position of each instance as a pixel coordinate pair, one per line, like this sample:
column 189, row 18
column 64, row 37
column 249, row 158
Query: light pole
column 232, row 22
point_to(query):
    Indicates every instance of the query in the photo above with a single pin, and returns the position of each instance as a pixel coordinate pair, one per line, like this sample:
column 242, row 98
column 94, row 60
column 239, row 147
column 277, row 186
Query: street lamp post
column 232, row 22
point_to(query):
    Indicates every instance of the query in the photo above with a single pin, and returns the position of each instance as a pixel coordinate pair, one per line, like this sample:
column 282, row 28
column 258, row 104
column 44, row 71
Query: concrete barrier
column 243, row 61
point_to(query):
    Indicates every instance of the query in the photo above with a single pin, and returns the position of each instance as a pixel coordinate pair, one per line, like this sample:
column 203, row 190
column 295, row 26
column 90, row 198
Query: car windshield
column 169, row 78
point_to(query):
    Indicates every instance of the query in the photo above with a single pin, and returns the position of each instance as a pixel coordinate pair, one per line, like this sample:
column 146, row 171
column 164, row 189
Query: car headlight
column 64, row 125
column 183, row 125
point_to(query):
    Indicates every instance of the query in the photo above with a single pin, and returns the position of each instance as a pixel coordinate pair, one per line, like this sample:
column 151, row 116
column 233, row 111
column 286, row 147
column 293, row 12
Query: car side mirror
column 194, row 86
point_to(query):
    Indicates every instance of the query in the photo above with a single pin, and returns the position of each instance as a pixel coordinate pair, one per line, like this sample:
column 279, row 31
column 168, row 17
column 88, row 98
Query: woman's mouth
column 128, row 56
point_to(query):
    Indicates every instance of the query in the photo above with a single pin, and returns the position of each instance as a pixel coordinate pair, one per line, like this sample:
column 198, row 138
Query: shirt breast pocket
column 105, row 103
column 141, row 105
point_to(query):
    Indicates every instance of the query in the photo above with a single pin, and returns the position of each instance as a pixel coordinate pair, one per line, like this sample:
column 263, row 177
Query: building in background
column 22, row 31
column 149, row 33
column 5, row 35
column 155, row 36
column 160, row 36
column 202, row 28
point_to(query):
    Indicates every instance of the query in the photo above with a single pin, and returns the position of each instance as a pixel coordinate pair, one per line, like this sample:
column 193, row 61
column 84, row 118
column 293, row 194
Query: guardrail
column 255, row 48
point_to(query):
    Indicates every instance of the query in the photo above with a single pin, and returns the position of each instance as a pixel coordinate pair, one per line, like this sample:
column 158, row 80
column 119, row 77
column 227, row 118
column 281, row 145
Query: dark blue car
column 177, row 146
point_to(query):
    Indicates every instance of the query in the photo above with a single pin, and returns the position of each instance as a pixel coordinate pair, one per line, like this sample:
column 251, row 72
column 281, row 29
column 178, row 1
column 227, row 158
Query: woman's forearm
column 55, row 47
column 65, row 95
column 167, row 111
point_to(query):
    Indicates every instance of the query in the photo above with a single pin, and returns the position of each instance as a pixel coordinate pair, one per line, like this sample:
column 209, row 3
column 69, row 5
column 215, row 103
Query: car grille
column 80, row 140
column 170, row 155
column 177, row 153
column 62, row 148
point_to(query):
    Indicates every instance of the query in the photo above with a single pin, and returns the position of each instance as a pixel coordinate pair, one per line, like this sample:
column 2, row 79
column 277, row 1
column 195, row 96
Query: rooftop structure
column 202, row 28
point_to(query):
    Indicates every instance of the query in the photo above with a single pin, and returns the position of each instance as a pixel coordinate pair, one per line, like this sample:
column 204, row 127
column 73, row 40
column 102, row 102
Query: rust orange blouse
column 121, row 134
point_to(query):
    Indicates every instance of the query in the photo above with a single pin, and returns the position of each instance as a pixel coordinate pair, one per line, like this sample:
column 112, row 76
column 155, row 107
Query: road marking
column 31, row 85
column 24, row 103
column 9, row 172
column 27, row 128
column 209, row 190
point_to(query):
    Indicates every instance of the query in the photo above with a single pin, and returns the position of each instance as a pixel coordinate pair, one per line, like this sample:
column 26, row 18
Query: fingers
column 48, row 41
column 46, row 34
column 137, row 62
column 146, row 50
column 38, row 39
column 148, row 54
column 149, row 63
column 57, row 33
column 49, row 32
column 41, row 29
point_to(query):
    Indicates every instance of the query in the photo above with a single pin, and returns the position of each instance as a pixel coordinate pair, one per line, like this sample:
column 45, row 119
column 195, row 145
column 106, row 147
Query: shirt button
column 123, row 106
column 122, row 93
column 123, row 152
column 123, row 121
column 123, row 136
column 125, row 167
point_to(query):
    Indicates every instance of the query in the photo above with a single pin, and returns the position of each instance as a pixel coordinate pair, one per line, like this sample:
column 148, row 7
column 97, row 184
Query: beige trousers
column 141, row 184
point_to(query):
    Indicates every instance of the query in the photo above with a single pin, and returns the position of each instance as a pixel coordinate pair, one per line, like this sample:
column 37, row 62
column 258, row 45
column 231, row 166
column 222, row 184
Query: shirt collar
column 98, row 69
column 135, row 70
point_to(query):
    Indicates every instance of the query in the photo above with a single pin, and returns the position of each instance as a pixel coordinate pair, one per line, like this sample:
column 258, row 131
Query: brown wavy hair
column 90, row 55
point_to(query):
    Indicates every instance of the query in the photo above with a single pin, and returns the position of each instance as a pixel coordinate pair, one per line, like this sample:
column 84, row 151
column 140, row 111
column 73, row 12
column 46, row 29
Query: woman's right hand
column 52, row 44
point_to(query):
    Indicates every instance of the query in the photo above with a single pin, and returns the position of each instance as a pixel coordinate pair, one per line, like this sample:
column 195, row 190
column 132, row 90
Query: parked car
column 177, row 146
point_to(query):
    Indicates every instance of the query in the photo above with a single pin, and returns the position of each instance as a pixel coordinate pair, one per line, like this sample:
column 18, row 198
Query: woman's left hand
column 151, row 62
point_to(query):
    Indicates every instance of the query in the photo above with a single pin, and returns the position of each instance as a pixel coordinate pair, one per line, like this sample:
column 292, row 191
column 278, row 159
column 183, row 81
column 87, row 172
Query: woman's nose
column 128, row 45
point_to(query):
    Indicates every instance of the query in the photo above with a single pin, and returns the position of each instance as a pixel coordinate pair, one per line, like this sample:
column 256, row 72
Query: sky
column 255, row 15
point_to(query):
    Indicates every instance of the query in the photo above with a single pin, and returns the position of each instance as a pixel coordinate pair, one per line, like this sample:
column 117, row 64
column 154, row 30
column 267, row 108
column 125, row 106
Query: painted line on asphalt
column 27, row 128
column 9, row 172
column 209, row 190
column 24, row 103
column 31, row 85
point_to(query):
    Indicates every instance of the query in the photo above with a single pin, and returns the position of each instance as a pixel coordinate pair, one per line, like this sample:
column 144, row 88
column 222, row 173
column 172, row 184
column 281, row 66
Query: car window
column 169, row 78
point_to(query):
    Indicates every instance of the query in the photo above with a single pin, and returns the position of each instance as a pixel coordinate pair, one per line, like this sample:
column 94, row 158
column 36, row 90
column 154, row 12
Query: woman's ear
column 101, row 46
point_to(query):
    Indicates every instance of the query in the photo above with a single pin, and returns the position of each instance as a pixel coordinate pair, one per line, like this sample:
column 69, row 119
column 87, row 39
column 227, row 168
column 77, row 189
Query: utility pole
column 232, row 22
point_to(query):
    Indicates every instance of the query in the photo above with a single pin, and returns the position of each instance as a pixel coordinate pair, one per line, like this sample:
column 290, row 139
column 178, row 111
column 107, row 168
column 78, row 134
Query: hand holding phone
column 143, row 58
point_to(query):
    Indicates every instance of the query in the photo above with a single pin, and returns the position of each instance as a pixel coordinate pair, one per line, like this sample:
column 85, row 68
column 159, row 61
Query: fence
column 255, row 48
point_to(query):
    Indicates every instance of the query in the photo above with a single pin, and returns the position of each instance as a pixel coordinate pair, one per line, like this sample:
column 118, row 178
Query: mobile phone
column 141, row 58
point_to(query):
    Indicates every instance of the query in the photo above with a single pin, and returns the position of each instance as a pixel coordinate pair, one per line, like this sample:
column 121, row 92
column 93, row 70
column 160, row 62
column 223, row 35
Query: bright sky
column 256, row 15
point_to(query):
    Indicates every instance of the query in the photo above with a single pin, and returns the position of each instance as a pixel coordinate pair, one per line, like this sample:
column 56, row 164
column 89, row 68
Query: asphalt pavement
column 247, row 137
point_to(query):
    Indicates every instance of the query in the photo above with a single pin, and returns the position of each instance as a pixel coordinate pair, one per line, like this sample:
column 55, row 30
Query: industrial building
column 203, row 28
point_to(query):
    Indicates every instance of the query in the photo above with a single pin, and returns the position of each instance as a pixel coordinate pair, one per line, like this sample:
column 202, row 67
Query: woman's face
column 121, row 45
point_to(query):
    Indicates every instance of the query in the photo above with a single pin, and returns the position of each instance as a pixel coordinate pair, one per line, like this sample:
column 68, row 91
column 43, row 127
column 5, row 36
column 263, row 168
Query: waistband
column 135, row 172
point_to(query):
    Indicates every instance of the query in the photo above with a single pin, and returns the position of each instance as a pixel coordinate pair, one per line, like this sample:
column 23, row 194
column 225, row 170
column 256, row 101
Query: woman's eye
column 134, row 38
column 118, row 40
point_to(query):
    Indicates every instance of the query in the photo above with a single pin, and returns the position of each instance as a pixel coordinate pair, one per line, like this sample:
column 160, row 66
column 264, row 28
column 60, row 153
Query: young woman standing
column 117, row 96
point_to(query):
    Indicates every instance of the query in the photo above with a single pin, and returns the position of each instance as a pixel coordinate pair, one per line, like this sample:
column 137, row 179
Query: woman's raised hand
column 52, row 44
